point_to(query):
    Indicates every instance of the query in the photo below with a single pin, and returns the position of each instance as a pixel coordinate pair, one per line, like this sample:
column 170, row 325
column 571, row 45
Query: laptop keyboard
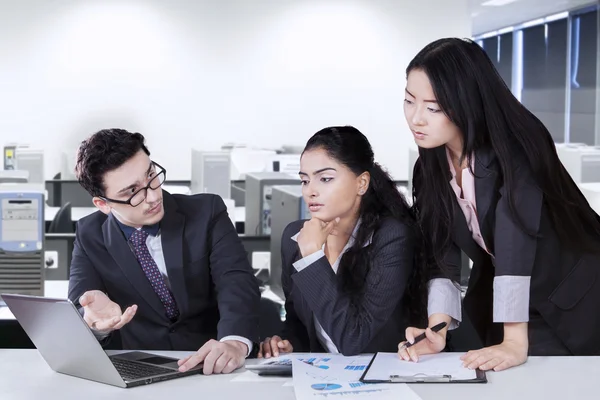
column 130, row 370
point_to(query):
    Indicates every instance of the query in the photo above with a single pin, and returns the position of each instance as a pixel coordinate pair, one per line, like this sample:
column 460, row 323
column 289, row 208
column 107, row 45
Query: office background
column 202, row 73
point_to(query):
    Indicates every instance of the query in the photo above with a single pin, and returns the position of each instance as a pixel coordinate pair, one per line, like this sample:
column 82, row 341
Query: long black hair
column 348, row 146
column 474, row 97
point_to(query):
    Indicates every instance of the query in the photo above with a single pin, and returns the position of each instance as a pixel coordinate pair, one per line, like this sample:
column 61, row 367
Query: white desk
column 177, row 189
column 60, row 290
column 25, row 375
column 76, row 212
column 55, row 289
column 80, row 212
column 591, row 191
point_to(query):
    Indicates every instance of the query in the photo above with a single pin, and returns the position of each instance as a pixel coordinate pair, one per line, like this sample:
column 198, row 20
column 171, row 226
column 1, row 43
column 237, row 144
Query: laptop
column 67, row 344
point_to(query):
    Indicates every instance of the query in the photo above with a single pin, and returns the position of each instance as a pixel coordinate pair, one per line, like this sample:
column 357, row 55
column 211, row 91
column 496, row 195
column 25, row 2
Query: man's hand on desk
column 102, row 314
column 218, row 357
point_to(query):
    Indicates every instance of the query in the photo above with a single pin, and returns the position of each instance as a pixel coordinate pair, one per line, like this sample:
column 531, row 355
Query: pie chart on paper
column 326, row 386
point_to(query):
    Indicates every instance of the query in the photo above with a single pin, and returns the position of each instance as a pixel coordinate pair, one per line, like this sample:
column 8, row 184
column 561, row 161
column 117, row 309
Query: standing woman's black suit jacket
column 564, row 299
column 374, row 322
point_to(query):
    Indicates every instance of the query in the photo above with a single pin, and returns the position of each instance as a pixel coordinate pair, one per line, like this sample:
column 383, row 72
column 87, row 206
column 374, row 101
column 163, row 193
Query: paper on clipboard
column 385, row 366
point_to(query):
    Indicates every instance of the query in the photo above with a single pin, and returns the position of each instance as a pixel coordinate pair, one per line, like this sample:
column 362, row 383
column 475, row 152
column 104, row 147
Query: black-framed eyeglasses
column 140, row 196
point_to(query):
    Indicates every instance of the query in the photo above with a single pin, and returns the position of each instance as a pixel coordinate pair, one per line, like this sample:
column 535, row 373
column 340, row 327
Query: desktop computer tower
column 9, row 157
column 259, row 191
column 287, row 205
column 21, row 240
column 210, row 173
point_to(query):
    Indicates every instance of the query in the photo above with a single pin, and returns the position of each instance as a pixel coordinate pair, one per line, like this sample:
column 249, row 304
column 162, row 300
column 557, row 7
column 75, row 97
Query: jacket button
column 172, row 330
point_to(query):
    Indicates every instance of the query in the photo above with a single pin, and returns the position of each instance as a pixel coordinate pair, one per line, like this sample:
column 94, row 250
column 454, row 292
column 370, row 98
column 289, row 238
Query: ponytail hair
column 350, row 147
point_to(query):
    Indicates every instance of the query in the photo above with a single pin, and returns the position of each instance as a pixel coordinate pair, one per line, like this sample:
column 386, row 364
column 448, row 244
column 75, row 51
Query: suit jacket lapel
column 119, row 249
column 171, row 228
column 486, row 180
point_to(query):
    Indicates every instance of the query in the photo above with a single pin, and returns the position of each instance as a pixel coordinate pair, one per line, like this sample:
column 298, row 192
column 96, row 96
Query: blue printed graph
column 344, row 393
column 356, row 384
column 355, row 367
column 325, row 386
column 316, row 362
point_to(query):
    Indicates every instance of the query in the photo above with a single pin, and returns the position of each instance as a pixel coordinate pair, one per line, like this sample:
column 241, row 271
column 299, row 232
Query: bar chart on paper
column 355, row 367
column 317, row 362
column 341, row 380
column 356, row 384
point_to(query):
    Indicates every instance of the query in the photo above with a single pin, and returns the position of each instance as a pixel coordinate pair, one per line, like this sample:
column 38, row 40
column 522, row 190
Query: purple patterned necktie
column 138, row 239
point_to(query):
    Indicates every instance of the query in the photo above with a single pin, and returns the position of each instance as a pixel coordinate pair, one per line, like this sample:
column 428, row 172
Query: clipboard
column 480, row 376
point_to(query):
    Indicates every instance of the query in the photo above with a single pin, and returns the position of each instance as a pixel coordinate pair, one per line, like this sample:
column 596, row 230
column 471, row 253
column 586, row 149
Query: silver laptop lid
column 63, row 338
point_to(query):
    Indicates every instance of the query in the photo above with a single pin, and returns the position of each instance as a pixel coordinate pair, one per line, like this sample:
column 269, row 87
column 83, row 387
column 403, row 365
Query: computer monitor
column 259, row 188
column 210, row 173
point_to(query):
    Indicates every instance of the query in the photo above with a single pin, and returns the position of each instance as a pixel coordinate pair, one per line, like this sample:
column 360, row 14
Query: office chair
column 270, row 322
column 62, row 222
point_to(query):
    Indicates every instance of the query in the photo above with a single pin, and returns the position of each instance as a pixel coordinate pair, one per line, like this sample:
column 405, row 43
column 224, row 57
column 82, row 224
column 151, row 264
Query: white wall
column 201, row 73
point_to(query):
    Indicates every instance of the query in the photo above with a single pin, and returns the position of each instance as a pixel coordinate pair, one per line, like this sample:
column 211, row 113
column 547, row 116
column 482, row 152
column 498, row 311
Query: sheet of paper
column 386, row 364
column 341, row 380
column 321, row 360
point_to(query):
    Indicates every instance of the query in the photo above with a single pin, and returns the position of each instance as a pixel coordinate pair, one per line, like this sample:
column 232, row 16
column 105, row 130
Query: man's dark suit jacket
column 375, row 321
column 210, row 277
column 564, row 303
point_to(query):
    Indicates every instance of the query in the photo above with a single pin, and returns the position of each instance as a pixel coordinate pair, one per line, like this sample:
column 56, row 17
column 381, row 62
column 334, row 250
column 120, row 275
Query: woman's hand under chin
column 313, row 235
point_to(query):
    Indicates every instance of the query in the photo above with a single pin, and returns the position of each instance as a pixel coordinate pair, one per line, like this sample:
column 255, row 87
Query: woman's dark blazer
column 375, row 321
column 564, row 295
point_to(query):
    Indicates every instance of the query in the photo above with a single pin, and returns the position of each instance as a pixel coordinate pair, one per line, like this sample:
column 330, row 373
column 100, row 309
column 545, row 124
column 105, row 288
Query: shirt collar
column 451, row 165
column 352, row 237
column 128, row 230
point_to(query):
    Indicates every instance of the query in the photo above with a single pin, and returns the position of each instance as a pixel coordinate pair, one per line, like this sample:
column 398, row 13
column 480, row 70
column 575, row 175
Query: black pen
column 422, row 336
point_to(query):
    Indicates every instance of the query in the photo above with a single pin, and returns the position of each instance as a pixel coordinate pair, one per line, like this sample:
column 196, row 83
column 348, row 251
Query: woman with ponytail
column 349, row 274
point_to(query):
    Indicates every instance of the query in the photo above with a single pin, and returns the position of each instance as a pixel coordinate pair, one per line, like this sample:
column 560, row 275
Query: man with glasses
column 168, row 271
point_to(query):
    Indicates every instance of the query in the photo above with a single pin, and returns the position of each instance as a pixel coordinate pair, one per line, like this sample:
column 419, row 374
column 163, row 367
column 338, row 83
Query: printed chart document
column 339, row 378
column 442, row 367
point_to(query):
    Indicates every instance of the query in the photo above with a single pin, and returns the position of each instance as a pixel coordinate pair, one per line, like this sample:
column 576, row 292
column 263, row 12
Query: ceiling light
column 557, row 16
column 505, row 30
column 497, row 3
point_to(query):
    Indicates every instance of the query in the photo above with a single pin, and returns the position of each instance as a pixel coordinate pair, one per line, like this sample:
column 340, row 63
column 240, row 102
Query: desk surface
column 25, row 375
column 76, row 212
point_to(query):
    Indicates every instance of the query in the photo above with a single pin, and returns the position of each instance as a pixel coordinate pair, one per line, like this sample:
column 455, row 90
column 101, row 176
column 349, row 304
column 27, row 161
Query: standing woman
column 488, row 181
column 349, row 275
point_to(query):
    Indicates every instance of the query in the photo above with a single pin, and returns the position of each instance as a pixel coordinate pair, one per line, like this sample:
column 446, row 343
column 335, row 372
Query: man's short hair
column 104, row 151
